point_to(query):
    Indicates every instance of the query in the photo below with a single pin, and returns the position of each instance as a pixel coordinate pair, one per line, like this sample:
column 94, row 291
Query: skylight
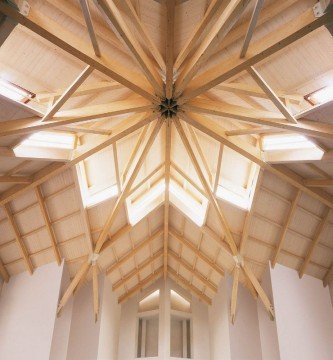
column 320, row 96
column 286, row 142
column 14, row 92
column 53, row 140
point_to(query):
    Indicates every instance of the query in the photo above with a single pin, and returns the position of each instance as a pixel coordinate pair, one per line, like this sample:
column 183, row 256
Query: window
column 14, row 92
column 47, row 145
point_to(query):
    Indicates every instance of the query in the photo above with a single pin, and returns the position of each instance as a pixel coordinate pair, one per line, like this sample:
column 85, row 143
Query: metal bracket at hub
column 168, row 108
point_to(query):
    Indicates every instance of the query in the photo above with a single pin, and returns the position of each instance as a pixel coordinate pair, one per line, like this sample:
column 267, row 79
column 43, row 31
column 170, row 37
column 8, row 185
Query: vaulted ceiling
column 170, row 105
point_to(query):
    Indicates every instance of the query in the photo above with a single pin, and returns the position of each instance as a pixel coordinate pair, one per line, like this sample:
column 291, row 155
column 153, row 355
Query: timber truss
column 178, row 98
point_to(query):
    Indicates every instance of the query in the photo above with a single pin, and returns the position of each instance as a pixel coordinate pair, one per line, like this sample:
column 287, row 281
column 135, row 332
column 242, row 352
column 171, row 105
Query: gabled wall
column 28, row 306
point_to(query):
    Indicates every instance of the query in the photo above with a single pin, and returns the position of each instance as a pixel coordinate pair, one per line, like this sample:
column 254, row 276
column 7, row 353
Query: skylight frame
column 15, row 92
column 313, row 98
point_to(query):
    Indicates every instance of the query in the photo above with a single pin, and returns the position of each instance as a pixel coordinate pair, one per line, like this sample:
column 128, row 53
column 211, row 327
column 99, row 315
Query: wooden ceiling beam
column 190, row 286
column 48, row 223
column 3, row 272
column 262, row 49
column 95, row 290
column 57, row 35
column 252, row 25
column 131, row 12
column 261, row 117
column 167, row 195
column 18, row 239
column 135, row 272
column 232, row 11
column 318, row 182
column 15, row 179
column 113, row 15
column 198, row 253
column 68, row 93
column 207, row 187
column 129, row 255
column 127, row 187
column 169, row 51
column 214, row 10
column 216, row 132
column 65, row 117
column 154, row 276
column 271, row 94
column 234, row 293
column 284, row 230
column 90, row 27
column 131, row 124
column 318, row 234
column 192, row 270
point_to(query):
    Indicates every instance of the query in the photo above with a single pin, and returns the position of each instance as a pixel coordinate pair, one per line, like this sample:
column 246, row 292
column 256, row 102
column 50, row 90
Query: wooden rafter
column 19, row 239
column 115, row 17
column 166, row 200
column 170, row 19
column 229, row 16
column 87, row 18
column 234, row 293
column 48, row 223
column 318, row 234
column 250, row 30
column 265, row 47
column 95, row 290
column 57, row 35
column 3, row 272
column 290, row 216
column 271, row 94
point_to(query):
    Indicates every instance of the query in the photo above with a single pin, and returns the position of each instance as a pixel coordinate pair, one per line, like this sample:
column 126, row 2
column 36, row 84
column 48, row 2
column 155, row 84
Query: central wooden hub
column 168, row 108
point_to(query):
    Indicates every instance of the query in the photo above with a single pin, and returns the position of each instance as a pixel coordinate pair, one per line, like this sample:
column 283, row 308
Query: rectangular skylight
column 320, row 96
column 13, row 92
column 286, row 142
column 48, row 139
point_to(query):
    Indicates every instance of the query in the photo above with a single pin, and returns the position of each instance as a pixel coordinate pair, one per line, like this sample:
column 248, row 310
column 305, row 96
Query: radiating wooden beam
column 131, row 12
column 264, row 298
column 271, row 94
column 201, row 30
column 207, row 188
column 64, row 39
column 155, row 275
column 262, row 49
column 169, row 51
column 129, row 255
column 252, row 25
column 127, row 187
column 194, row 272
column 136, row 271
column 48, row 223
column 116, row 19
column 261, row 117
column 318, row 182
column 190, row 286
column 318, row 234
column 166, row 200
column 18, row 238
column 216, row 132
column 87, row 18
column 15, row 179
column 234, row 293
column 231, row 13
column 200, row 254
column 68, row 93
column 77, row 278
column 131, row 124
column 3, row 272
column 95, row 290
column 284, row 230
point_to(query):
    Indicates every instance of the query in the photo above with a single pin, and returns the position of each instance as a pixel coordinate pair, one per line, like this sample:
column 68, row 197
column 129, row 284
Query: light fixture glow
column 320, row 96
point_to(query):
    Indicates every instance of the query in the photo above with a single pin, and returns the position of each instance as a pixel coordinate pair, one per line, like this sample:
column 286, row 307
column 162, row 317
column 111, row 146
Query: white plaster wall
column 219, row 324
column 304, row 316
column 84, row 332
column 244, row 334
column 330, row 286
column 28, row 307
column 267, row 327
column 62, row 323
column 109, row 324
column 127, row 331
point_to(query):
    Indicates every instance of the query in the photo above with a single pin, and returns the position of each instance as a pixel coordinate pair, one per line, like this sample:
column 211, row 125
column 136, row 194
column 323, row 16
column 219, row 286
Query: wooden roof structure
column 178, row 93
